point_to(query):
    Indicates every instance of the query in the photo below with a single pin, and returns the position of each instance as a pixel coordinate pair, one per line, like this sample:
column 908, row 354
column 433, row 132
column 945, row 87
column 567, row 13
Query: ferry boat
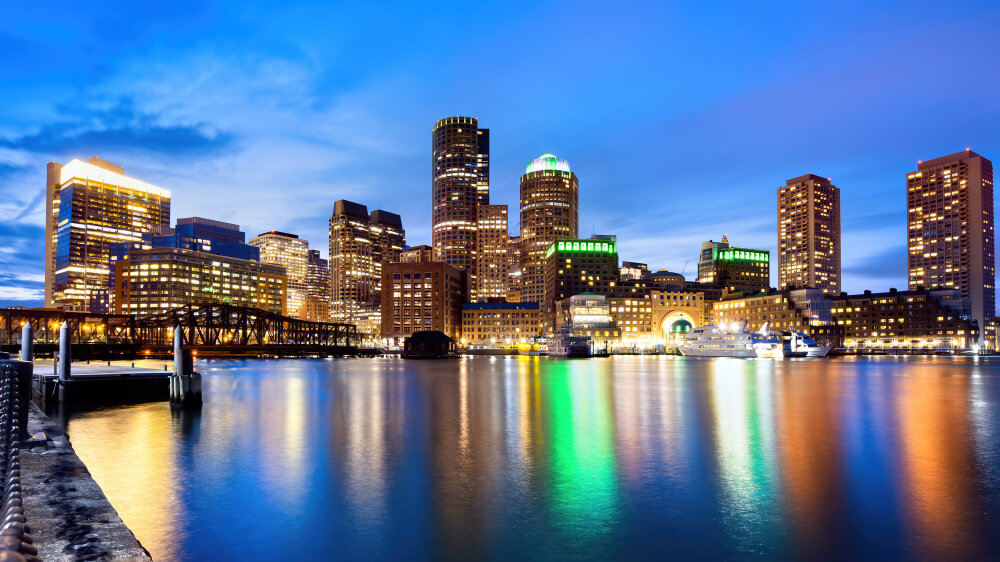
column 565, row 345
column 802, row 343
column 718, row 341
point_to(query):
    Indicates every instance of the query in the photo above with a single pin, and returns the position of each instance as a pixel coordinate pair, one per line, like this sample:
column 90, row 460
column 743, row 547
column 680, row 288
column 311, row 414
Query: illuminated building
column 360, row 246
column 416, row 254
column 514, row 269
column 575, row 266
column 204, row 235
column 797, row 310
column 743, row 270
column 422, row 296
column 291, row 252
column 460, row 182
column 809, row 234
column 653, row 318
column 949, row 204
column 155, row 280
column 633, row 270
column 500, row 323
column 316, row 303
column 490, row 274
column 920, row 321
column 706, row 262
column 88, row 207
column 549, row 199
column 589, row 315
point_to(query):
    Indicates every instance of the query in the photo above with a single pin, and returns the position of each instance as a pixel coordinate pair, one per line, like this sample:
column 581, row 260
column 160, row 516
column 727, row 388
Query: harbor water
column 532, row 458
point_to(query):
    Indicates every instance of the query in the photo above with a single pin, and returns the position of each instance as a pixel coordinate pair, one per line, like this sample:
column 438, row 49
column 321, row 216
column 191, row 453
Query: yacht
column 718, row 341
column 803, row 343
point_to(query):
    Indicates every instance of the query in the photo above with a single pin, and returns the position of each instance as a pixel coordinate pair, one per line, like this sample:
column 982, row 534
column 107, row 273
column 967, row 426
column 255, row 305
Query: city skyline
column 738, row 112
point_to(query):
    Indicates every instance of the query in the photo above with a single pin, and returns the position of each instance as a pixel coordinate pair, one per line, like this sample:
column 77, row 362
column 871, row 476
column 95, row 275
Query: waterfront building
column 360, row 247
column 460, row 182
column 574, row 266
column 422, row 296
column 706, row 261
column 155, row 280
column 809, row 234
column 743, row 270
column 549, row 207
column 417, row 254
column 655, row 318
column 919, row 321
column 795, row 310
column 587, row 314
column 88, row 207
column 291, row 252
column 949, row 207
column 634, row 270
column 490, row 273
column 497, row 324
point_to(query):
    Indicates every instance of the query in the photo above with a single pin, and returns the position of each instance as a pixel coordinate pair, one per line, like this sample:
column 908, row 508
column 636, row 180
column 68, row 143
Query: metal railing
column 15, row 392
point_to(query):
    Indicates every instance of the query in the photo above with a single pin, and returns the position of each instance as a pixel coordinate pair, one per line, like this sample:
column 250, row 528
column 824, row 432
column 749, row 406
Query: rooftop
column 547, row 162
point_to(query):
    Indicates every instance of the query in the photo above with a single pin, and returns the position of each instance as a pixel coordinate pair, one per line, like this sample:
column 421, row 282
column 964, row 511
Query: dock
column 103, row 381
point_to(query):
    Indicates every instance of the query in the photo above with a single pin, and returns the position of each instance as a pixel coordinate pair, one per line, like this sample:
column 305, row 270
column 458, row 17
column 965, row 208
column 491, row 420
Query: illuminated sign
column 732, row 254
column 595, row 246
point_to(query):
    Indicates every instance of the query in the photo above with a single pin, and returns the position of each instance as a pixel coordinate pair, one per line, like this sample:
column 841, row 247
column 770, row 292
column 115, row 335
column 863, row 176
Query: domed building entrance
column 676, row 325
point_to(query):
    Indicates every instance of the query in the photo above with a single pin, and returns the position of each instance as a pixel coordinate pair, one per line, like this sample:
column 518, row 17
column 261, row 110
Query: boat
column 801, row 342
column 565, row 345
column 533, row 347
column 718, row 341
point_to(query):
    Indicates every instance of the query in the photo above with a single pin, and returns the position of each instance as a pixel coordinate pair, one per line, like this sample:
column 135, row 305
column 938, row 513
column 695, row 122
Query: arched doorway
column 676, row 325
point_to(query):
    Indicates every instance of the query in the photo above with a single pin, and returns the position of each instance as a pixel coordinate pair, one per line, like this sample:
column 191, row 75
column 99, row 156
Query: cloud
column 875, row 271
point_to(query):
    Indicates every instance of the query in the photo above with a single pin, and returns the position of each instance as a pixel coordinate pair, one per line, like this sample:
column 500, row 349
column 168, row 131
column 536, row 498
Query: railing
column 15, row 392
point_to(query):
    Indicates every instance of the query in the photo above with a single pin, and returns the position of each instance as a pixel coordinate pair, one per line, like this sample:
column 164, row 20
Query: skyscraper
column 706, row 262
column 809, row 234
column 316, row 304
column 88, row 207
column 460, row 181
column 492, row 239
column 549, row 206
column 949, row 207
column 292, row 252
column 359, row 246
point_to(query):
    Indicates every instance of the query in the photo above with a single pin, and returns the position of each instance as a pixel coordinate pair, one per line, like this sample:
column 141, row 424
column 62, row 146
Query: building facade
column 921, row 321
column 706, row 261
column 500, row 324
column 460, row 182
column 798, row 310
column 422, row 296
column 155, row 280
column 90, row 206
column 490, row 274
column 809, row 234
column 549, row 211
column 360, row 247
column 417, row 254
column 589, row 315
column 743, row 270
column 950, row 241
column 316, row 303
column 292, row 253
column 575, row 266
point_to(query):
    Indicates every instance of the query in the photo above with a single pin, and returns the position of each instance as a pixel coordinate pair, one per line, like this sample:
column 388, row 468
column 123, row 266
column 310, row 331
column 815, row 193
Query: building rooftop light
column 547, row 162
column 82, row 170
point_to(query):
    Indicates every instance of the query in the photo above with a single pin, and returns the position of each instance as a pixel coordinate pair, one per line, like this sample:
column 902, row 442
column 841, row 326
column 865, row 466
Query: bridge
column 209, row 329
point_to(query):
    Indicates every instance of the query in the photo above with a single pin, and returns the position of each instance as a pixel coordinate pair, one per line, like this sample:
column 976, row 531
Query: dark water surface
column 528, row 458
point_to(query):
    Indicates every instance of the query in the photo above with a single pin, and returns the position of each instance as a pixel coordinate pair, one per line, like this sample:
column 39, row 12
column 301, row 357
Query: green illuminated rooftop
column 547, row 162
column 582, row 245
column 743, row 254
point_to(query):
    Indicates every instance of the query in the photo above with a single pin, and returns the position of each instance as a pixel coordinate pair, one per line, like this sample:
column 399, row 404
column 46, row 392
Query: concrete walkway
column 46, row 368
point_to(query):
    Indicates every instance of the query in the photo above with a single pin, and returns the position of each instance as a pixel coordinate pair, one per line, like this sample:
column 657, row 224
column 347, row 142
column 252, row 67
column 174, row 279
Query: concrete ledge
column 67, row 512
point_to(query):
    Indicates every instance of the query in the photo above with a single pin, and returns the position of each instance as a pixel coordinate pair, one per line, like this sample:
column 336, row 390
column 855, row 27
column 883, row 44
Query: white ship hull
column 716, row 351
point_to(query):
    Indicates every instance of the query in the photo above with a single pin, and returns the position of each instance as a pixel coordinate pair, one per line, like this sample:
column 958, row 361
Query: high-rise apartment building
column 809, row 234
column 549, row 207
column 949, row 204
column 292, row 252
column 89, row 206
column 460, row 182
column 490, row 273
column 360, row 244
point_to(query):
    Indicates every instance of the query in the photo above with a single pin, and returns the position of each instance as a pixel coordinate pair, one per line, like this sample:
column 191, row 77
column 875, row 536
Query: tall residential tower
column 460, row 182
column 809, row 234
column 549, row 207
column 949, row 209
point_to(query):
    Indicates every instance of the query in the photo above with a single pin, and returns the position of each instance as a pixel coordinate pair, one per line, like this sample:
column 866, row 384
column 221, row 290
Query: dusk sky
column 680, row 119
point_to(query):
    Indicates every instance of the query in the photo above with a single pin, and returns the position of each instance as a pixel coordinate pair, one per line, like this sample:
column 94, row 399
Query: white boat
column 718, row 341
column 802, row 342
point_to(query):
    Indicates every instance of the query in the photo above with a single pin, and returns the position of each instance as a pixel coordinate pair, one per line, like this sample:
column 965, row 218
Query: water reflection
column 533, row 458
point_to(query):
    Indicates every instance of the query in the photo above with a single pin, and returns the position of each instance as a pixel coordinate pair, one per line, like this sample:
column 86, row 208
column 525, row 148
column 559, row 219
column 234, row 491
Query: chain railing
column 15, row 392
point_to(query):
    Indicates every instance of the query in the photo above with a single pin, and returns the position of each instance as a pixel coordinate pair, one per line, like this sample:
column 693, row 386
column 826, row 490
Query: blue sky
column 681, row 119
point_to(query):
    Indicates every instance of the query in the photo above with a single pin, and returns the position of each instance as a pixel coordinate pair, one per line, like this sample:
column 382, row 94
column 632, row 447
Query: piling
column 27, row 342
column 185, row 383
column 65, row 353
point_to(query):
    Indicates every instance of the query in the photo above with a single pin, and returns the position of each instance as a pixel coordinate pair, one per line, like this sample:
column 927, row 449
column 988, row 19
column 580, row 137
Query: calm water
column 533, row 458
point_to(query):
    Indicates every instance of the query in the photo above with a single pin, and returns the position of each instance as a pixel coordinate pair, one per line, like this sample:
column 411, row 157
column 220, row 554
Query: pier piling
column 27, row 342
column 65, row 352
column 185, row 383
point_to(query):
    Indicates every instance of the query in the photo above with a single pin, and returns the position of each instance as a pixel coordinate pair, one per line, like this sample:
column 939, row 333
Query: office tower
column 417, row 254
column 88, row 207
column 809, row 234
column 743, row 270
column 706, row 262
column 460, row 181
column 155, row 280
column 207, row 236
column 422, row 296
column 291, row 252
column 575, row 266
column 492, row 238
column 360, row 245
column 316, row 303
column 949, row 204
column 549, row 199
